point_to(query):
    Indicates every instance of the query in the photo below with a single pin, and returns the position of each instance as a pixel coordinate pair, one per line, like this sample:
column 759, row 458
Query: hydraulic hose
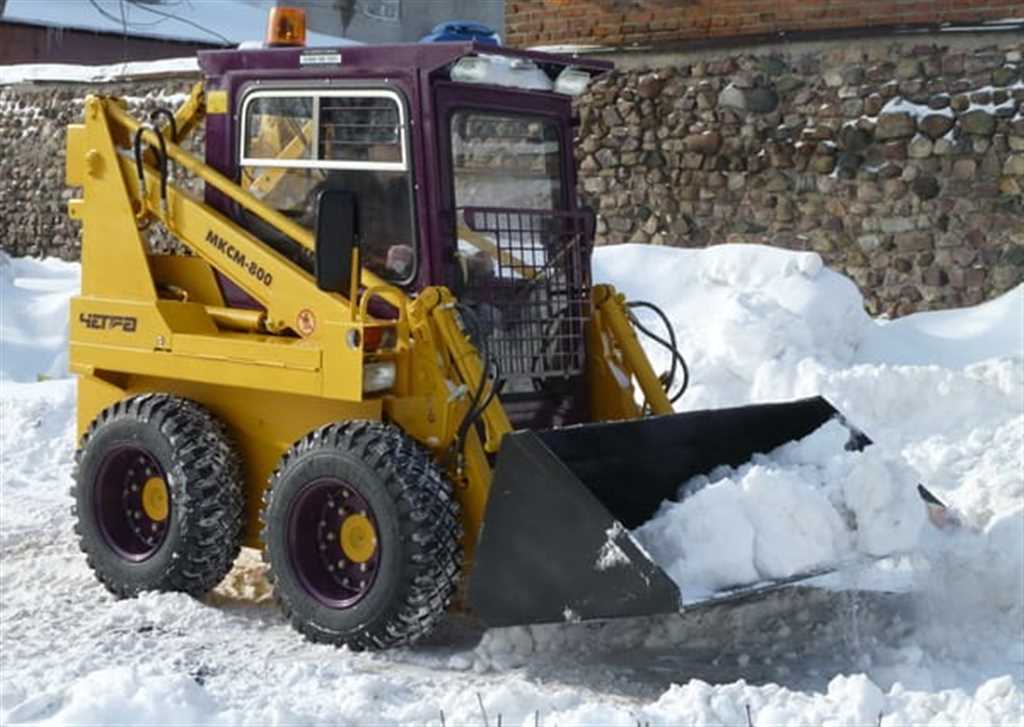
column 678, row 362
column 476, row 408
column 166, row 113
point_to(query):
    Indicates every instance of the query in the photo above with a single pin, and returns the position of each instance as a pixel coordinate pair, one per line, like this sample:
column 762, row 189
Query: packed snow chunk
column 806, row 506
column 796, row 528
column 878, row 490
column 881, row 493
column 857, row 700
column 705, row 543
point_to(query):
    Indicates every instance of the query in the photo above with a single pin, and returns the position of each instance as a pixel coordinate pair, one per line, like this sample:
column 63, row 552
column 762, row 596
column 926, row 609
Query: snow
column 71, row 73
column 74, row 73
column 501, row 71
column 956, row 338
column 941, row 393
column 806, row 506
column 34, row 317
column 611, row 554
column 901, row 105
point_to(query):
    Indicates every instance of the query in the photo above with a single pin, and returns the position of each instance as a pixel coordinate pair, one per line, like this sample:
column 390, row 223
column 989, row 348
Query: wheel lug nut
column 341, row 563
column 330, row 536
column 362, row 567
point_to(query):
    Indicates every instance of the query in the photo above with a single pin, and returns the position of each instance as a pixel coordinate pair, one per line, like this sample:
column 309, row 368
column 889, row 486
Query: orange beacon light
column 286, row 27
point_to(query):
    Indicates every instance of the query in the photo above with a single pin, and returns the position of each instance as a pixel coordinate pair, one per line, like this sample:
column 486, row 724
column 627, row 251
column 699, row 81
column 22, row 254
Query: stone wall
column 900, row 162
column 33, row 194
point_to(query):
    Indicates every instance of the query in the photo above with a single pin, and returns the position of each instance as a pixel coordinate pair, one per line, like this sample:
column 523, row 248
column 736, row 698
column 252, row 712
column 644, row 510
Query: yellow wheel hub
column 357, row 538
column 156, row 503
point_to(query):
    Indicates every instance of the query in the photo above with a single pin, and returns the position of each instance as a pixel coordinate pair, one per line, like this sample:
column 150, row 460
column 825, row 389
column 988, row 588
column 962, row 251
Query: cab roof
column 376, row 60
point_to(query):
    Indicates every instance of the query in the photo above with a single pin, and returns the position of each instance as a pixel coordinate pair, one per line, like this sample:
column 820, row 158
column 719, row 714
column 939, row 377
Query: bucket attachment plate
column 543, row 537
column 555, row 543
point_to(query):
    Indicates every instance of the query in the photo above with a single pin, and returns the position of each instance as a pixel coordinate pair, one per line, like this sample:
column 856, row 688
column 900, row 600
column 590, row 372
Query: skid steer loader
column 382, row 360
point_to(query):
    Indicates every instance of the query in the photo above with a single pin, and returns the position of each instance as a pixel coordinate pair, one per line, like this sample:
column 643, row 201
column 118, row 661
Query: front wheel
column 361, row 533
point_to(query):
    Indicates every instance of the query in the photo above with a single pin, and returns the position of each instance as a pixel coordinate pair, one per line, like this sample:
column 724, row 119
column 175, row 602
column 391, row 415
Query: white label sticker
column 320, row 59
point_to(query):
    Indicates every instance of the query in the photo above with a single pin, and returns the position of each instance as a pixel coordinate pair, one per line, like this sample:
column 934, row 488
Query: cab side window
column 294, row 144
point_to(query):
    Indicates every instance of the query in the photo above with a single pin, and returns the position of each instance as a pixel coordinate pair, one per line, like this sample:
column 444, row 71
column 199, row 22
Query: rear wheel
column 362, row 537
column 158, row 497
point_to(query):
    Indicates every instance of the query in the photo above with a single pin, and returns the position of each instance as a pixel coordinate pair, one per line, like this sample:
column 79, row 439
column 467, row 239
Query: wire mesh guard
column 527, row 278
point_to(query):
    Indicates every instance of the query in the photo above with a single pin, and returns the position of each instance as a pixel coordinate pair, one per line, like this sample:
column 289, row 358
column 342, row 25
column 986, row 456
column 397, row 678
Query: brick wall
column 643, row 22
column 31, row 43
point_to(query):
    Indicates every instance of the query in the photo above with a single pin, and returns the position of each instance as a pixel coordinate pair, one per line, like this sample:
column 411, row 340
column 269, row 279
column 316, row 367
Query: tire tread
column 211, row 529
column 429, row 524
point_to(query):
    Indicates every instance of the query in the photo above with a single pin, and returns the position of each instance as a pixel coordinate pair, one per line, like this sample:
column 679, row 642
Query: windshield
column 296, row 143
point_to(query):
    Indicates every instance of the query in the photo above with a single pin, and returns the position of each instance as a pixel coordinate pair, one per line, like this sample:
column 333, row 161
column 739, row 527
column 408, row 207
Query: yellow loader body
column 333, row 398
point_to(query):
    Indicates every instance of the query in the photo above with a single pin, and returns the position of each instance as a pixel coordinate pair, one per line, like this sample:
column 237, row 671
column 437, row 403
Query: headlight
column 378, row 376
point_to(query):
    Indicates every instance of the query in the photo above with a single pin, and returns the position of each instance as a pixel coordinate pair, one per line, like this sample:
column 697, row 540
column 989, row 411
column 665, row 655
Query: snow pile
column 952, row 338
column 34, row 317
column 740, row 310
column 760, row 324
column 68, row 72
column 941, row 393
column 808, row 505
column 123, row 696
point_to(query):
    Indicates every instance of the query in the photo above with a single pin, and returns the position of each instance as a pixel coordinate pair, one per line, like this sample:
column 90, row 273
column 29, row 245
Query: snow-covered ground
column 942, row 394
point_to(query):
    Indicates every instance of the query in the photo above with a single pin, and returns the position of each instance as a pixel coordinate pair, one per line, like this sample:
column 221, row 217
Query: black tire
column 182, row 444
column 417, row 536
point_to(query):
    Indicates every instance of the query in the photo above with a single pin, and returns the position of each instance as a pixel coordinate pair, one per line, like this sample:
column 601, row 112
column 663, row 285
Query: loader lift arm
column 282, row 288
column 310, row 363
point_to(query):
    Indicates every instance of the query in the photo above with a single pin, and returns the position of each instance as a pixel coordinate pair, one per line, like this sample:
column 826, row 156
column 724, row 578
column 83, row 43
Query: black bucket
column 555, row 546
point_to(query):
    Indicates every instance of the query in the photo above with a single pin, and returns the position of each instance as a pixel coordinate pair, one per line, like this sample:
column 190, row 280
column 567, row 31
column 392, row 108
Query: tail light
column 378, row 337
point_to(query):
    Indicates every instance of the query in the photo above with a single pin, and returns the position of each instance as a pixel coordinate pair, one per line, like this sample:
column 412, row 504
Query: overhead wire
column 126, row 23
column 106, row 13
column 146, row 8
